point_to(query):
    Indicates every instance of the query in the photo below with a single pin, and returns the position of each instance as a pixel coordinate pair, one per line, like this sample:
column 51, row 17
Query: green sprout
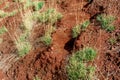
column 77, row 68
column 49, row 16
column 2, row 14
column 36, row 78
column 79, row 28
column 112, row 41
column 46, row 38
column 106, row 22
column 23, row 45
column 38, row 5
column 3, row 30
column 76, row 31
column 85, row 24
column 7, row 14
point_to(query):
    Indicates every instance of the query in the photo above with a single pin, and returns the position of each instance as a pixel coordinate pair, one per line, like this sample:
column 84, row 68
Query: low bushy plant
column 112, row 41
column 49, row 16
column 38, row 5
column 77, row 68
column 46, row 38
column 23, row 45
column 85, row 24
column 76, row 31
column 36, row 78
column 2, row 14
column 7, row 14
column 3, row 29
column 78, row 28
column 106, row 22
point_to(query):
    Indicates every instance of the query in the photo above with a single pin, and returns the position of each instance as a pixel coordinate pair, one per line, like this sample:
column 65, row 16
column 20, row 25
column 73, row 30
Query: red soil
column 49, row 63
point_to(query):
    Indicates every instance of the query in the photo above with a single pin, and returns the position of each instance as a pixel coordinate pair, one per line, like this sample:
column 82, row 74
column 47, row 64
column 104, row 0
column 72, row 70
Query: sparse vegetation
column 77, row 68
column 49, row 16
column 78, row 28
column 2, row 14
column 85, row 24
column 28, row 21
column 46, row 38
column 7, row 14
column 3, row 29
column 36, row 78
column 38, row 5
column 76, row 31
column 112, row 41
column 23, row 44
column 106, row 22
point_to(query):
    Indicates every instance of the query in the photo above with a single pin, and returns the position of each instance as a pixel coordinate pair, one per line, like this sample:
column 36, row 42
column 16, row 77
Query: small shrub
column 76, row 31
column 110, row 28
column 23, row 48
column 38, row 5
column 2, row 14
column 85, row 24
column 90, row 53
column 112, row 41
column 49, row 16
column 36, row 78
column 12, row 13
column 91, row 72
column 47, row 39
column 7, row 14
column 77, row 68
column 3, row 30
column 27, row 4
column 106, row 22
column 28, row 21
column 78, row 28
column 23, row 45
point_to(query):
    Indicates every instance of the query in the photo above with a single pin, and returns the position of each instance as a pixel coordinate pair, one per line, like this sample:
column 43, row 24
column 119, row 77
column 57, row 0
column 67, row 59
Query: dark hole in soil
column 101, row 8
column 38, row 57
column 69, row 45
column 118, row 64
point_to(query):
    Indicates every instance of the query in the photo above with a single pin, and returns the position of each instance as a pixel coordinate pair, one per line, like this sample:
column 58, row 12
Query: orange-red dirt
column 49, row 63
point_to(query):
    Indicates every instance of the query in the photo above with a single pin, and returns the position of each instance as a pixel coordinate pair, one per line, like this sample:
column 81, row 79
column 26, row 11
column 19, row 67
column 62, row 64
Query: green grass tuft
column 85, row 24
column 3, row 30
column 49, row 16
column 106, row 22
column 38, row 5
column 77, row 68
column 112, row 41
column 76, row 31
column 23, row 45
column 2, row 14
column 46, row 39
column 36, row 78
column 7, row 14
column 79, row 28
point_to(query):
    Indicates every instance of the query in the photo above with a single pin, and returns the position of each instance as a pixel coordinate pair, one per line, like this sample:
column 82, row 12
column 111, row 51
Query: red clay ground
column 49, row 62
